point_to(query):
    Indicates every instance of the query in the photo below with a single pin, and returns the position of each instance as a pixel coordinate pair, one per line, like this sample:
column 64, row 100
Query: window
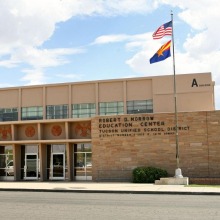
column 6, row 163
column 85, row 110
column 8, row 114
column 83, row 161
column 32, row 113
column 111, row 108
column 140, row 106
column 57, row 111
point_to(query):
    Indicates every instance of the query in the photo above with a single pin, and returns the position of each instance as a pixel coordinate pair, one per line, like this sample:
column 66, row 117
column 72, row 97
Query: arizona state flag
column 162, row 53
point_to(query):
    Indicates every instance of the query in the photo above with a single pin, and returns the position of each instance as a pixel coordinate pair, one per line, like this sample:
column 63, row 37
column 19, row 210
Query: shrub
column 148, row 174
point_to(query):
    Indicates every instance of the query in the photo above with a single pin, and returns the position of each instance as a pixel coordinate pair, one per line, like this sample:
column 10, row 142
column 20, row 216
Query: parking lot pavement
column 93, row 187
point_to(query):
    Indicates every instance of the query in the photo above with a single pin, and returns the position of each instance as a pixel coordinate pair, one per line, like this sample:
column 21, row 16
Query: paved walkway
column 93, row 187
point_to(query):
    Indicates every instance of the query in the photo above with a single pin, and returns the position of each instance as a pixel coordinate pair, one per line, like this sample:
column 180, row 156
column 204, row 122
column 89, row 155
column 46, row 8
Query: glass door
column 83, row 161
column 6, row 163
column 31, row 168
column 83, row 167
column 58, row 166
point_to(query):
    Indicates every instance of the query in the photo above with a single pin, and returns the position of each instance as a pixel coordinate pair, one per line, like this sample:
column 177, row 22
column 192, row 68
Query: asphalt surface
column 108, row 187
column 107, row 206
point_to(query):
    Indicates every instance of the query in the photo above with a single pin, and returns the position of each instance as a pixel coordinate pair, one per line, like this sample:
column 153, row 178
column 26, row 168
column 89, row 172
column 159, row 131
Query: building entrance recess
column 6, row 163
column 30, row 162
column 31, row 170
column 57, row 161
column 83, row 161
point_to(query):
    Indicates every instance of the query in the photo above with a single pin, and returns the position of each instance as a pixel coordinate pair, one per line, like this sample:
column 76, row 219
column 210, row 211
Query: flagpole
column 178, row 172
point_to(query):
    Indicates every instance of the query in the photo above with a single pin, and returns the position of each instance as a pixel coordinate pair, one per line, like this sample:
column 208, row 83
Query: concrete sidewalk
column 94, row 187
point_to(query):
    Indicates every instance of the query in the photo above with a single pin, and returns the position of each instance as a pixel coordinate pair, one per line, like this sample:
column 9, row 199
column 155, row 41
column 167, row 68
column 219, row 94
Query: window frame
column 111, row 108
column 9, row 114
column 57, row 111
column 139, row 106
column 32, row 113
column 83, row 110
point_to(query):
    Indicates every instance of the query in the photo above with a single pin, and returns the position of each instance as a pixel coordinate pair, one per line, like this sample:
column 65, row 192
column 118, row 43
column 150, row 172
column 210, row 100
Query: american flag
column 165, row 29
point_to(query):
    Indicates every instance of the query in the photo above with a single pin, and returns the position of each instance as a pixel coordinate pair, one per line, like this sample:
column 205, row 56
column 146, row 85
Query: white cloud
column 202, row 49
column 4, row 85
column 127, row 6
column 28, row 24
column 9, row 63
column 39, row 58
column 33, row 22
column 185, row 62
column 34, row 76
column 105, row 39
column 69, row 76
column 111, row 7
column 46, row 57
column 140, row 63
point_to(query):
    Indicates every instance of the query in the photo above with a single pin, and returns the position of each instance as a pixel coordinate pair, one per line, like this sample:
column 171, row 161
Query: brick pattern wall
column 127, row 141
column 205, row 181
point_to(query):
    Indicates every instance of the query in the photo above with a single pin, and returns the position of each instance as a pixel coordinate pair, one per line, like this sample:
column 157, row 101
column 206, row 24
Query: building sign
column 196, row 84
column 136, row 126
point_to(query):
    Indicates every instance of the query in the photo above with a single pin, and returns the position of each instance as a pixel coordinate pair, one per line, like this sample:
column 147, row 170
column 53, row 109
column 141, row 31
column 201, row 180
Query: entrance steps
column 172, row 181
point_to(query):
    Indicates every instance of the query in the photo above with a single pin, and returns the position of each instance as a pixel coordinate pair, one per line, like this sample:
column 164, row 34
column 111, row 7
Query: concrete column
column 125, row 96
column 44, row 102
column 39, row 136
column 12, row 132
column 19, row 104
column 43, row 161
column 97, row 98
column 70, row 101
column 69, row 151
column 67, row 130
column 17, row 161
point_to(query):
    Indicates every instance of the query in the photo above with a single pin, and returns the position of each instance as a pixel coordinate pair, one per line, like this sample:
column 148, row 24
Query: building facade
column 103, row 129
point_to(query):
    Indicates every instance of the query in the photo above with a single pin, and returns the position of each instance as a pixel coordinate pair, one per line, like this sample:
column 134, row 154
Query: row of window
column 85, row 110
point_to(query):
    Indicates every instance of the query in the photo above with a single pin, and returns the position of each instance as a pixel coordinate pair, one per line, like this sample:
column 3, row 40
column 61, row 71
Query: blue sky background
column 54, row 41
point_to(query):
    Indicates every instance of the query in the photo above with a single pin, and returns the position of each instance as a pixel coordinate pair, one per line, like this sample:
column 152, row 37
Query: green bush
column 148, row 174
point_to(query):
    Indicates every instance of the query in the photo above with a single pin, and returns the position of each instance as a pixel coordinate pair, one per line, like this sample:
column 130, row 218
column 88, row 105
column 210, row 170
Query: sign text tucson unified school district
column 119, row 126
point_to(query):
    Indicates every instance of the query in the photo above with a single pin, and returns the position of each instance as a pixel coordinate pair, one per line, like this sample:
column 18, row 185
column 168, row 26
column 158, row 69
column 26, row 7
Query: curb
column 110, row 191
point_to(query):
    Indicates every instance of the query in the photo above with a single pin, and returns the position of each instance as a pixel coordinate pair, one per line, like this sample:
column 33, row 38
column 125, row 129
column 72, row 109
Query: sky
column 56, row 41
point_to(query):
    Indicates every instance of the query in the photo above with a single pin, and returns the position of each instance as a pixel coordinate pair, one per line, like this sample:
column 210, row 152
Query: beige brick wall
column 125, row 142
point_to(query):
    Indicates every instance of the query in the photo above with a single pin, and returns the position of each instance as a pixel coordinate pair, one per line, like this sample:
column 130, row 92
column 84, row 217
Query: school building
column 101, row 130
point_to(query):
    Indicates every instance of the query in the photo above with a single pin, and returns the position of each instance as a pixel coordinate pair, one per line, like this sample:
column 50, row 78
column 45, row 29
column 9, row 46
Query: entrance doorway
column 83, row 161
column 31, row 168
column 6, row 163
column 57, row 161
column 58, row 166
column 30, row 162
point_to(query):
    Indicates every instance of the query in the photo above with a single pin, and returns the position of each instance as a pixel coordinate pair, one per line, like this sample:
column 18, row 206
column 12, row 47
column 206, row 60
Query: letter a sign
column 194, row 83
